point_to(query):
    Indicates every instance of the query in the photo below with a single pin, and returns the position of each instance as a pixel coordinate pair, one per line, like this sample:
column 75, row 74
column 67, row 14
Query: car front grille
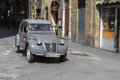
column 50, row 47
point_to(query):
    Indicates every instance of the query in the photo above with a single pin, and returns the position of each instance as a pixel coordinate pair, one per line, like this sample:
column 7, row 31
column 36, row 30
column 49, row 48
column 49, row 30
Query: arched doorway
column 38, row 10
column 54, row 11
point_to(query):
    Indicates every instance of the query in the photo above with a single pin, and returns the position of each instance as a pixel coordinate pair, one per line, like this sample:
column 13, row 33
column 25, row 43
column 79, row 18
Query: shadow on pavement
column 4, row 32
column 49, row 60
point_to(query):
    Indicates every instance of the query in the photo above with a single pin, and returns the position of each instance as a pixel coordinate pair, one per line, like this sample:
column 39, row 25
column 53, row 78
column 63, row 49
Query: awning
column 107, row 1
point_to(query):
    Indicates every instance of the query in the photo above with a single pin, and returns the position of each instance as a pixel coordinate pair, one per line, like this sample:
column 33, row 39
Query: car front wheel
column 29, row 55
column 17, row 49
column 62, row 58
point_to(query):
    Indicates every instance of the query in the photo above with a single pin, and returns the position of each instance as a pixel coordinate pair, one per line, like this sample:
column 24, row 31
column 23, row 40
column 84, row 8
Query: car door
column 23, row 35
column 18, row 36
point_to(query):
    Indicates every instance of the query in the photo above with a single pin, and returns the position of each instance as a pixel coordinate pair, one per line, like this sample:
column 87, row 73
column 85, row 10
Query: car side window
column 25, row 28
column 21, row 28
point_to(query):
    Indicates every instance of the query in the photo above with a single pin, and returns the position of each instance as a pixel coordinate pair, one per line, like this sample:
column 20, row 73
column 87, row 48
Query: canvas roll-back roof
column 36, row 21
column 107, row 1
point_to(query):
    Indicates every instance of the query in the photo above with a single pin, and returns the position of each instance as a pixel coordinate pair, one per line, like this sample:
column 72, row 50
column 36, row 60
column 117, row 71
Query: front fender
column 17, row 40
column 35, row 49
column 63, row 48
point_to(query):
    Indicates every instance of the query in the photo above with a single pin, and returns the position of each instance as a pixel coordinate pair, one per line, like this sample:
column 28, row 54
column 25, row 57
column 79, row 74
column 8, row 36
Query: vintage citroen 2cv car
column 36, row 37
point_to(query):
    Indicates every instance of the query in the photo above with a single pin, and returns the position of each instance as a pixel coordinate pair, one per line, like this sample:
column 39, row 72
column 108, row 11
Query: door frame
column 101, row 20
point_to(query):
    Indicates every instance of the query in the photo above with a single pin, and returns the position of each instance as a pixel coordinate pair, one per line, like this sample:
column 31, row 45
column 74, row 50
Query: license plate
column 52, row 54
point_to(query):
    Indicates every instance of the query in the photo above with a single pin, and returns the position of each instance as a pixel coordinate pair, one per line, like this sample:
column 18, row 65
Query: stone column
column 92, row 23
column 74, row 22
column 97, row 24
column 89, row 22
column 43, row 8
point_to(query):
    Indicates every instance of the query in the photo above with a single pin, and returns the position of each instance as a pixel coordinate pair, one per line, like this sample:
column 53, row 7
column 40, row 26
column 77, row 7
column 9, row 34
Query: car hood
column 46, row 37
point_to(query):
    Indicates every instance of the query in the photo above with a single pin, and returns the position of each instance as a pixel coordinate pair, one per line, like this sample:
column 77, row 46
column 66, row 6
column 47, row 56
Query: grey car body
column 41, row 41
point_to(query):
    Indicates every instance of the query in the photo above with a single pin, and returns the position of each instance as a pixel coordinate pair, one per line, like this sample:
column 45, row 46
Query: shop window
column 108, row 22
column 109, row 18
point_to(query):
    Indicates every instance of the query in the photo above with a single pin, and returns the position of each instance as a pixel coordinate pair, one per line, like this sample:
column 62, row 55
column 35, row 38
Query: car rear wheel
column 29, row 55
column 63, row 58
column 17, row 49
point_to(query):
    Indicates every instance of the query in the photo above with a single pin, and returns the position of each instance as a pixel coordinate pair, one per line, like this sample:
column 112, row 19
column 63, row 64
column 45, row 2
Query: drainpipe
column 70, row 18
column 116, row 16
column 63, row 19
column 116, row 36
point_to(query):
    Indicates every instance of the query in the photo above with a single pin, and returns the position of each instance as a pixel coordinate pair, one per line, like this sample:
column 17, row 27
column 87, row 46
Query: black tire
column 18, row 49
column 29, row 55
column 63, row 58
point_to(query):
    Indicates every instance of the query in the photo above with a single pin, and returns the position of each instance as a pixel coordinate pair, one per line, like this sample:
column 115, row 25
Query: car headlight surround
column 39, row 42
column 62, row 42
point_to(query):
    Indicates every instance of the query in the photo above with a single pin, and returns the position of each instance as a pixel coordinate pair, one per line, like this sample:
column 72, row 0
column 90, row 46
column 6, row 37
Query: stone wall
column 92, row 24
column 43, row 8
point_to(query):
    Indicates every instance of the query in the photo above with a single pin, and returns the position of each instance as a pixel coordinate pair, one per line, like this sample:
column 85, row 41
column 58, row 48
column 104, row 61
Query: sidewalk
column 75, row 48
column 4, row 32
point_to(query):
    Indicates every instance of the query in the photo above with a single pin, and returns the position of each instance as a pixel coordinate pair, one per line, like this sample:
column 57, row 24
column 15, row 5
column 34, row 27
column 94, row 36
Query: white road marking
column 13, row 45
column 7, row 51
column 11, row 49
column 96, row 58
column 5, row 54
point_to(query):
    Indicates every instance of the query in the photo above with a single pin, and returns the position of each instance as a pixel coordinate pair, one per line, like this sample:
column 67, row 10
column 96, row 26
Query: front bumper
column 41, row 51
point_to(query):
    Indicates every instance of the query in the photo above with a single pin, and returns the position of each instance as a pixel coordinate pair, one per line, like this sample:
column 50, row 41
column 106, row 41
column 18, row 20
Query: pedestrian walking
column 116, row 39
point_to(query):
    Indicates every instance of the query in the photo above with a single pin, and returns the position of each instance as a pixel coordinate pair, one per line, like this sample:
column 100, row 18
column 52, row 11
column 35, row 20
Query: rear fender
column 17, row 40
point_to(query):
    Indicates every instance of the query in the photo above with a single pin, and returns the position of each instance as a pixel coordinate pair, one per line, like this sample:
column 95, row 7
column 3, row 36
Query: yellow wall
column 74, row 22
column 92, row 23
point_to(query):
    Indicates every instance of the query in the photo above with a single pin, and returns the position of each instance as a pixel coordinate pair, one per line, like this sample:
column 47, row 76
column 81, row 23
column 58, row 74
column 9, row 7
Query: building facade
column 64, row 14
column 90, row 22
column 68, row 15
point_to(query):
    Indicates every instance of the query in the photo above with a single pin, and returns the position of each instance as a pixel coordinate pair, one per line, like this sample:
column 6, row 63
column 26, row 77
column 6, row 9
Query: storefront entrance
column 110, row 20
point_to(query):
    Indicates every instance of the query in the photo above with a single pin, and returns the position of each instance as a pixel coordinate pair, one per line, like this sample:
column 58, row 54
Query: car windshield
column 40, row 27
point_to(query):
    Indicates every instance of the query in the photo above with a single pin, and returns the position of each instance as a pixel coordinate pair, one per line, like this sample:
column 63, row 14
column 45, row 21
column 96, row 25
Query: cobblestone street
column 83, row 63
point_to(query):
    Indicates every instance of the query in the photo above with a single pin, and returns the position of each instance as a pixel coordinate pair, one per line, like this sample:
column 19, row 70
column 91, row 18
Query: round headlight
column 39, row 42
column 62, row 42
